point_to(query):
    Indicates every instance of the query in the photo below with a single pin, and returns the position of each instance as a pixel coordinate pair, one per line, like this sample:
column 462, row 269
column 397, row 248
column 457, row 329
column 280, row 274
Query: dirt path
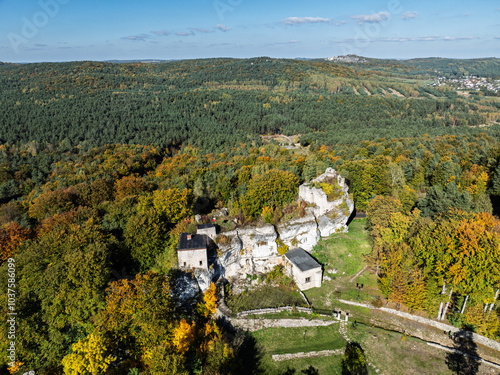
column 492, row 344
column 358, row 274
column 321, row 353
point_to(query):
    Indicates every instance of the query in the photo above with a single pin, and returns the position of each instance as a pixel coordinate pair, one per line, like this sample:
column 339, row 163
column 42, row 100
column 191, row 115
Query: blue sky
column 63, row 30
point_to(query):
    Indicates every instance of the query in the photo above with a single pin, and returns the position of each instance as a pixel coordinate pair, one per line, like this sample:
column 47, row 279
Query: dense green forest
column 218, row 102
column 103, row 165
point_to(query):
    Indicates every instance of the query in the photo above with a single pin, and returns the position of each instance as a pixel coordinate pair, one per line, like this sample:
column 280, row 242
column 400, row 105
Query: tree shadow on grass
column 464, row 360
column 308, row 371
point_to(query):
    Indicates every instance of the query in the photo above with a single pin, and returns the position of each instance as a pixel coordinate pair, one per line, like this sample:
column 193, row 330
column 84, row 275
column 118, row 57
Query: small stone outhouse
column 192, row 251
column 304, row 269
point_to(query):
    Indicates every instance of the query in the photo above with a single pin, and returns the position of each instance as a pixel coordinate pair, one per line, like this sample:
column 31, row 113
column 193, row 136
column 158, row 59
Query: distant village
column 469, row 82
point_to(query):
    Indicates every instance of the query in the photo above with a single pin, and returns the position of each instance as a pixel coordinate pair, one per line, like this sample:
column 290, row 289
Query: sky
column 68, row 30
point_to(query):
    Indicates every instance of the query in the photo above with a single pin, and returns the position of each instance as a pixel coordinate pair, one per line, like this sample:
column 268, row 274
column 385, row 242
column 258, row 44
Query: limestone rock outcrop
column 331, row 215
column 254, row 249
column 301, row 232
column 249, row 250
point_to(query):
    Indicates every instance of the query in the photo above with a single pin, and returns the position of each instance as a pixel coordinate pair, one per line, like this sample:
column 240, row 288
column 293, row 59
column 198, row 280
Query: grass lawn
column 265, row 296
column 318, row 365
column 390, row 352
column 394, row 353
column 293, row 340
column 345, row 252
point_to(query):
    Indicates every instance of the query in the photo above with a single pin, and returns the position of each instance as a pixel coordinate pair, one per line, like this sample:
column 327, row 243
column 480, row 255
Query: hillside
column 103, row 166
column 211, row 103
column 431, row 67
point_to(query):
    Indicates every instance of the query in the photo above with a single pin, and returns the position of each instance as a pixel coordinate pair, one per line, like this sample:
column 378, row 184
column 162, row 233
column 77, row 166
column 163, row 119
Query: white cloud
column 458, row 38
column 496, row 37
column 340, row 23
column 372, row 18
column 408, row 15
column 136, row 38
column 223, row 28
column 429, row 38
column 182, row 33
column 200, row 30
column 161, row 32
column 302, row 20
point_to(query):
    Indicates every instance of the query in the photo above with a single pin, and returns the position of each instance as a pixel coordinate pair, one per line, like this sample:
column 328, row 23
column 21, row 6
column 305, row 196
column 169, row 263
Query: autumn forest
column 103, row 165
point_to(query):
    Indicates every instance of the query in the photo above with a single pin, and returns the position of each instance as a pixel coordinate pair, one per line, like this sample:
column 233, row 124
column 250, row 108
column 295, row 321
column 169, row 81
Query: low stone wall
column 274, row 311
column 445, row 327
column 439, row 325
column 287, row 357
column 253, row 325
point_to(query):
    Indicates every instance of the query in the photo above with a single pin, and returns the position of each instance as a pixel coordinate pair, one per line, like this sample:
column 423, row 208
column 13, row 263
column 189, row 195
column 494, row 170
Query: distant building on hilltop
column 304, row 269
column 192, row 251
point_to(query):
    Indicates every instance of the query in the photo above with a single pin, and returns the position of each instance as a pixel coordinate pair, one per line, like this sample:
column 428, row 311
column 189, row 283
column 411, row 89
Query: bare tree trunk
column 446, row 306
column 444, row 287
column 496, row 296
column 440, row 310
column 465, row 304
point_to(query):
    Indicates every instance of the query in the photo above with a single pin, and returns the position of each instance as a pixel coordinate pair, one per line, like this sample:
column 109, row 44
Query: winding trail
column 492, row 344
column 358, row 274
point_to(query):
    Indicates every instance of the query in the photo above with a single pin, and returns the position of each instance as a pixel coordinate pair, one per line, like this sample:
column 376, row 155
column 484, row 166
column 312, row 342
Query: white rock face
column 302, row 232
column 230, row 255
column 251, row 250
column 205, row 277
column 330, row 216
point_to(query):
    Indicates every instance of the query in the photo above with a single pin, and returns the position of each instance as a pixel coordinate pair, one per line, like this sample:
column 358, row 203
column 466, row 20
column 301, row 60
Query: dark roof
column 302, row 259
column 205, row 226
column 197, row 241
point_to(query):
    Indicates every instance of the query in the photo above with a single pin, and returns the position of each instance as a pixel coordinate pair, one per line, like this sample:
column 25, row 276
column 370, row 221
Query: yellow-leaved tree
column 171, row 205
column 209, row 305
column 89, row 356
column 183, row 336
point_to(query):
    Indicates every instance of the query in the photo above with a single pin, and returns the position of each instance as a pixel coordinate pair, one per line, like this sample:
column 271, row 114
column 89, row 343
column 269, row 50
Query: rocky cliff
column 331, row 210
column 249, row 250
column 253, row 249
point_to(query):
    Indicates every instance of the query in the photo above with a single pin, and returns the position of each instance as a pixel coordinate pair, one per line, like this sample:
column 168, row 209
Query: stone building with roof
column 208, row 229
column 192, row 251
column 304, row 269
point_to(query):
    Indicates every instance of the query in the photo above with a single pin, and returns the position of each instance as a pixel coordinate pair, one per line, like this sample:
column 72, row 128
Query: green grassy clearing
column 322, row 365
column 334, row 251
column 345, row 252
column 265, row 296
column 391, row 352
column 395, row 353
column 293, row 340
